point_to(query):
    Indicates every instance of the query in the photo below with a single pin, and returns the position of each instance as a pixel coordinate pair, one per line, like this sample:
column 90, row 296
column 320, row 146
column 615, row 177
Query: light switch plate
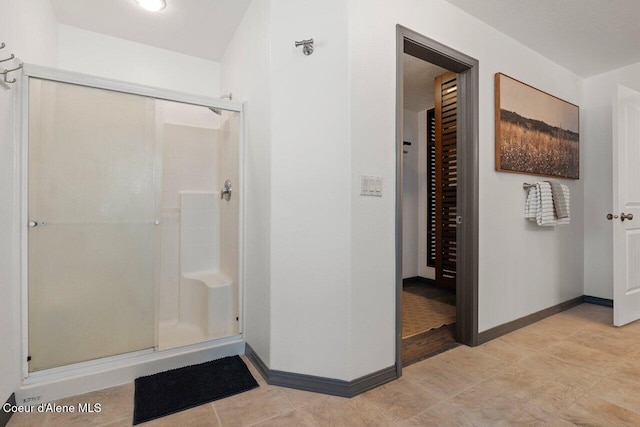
column 371, row 185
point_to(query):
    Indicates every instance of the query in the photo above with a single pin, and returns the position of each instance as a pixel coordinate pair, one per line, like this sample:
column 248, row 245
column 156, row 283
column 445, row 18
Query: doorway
column 437, row 198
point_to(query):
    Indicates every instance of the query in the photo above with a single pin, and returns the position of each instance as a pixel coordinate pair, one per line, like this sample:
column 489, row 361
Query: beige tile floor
column 573, row 368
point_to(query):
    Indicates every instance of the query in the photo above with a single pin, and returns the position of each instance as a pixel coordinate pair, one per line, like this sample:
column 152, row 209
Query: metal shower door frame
column 21, row 216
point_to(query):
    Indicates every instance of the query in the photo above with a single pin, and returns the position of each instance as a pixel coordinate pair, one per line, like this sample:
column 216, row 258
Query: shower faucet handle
column 225, row 193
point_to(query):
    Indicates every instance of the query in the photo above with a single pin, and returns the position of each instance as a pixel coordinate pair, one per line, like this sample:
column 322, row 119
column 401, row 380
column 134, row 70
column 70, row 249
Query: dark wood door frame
column 415, row 44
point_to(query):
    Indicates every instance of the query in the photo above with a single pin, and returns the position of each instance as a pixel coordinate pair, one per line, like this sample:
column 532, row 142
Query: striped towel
column 539, row 206
column 559, row 204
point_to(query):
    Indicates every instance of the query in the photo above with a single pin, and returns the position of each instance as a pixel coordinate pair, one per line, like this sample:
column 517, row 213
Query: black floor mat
column 179, row 389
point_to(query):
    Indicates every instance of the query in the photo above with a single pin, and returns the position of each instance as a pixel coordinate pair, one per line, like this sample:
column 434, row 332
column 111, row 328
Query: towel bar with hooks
column 5, row 81
column 527, row 185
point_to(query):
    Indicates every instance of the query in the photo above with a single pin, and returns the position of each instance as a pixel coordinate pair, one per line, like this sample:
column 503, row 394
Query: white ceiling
column 587, row 37
column 201, row 28
column 419, row 85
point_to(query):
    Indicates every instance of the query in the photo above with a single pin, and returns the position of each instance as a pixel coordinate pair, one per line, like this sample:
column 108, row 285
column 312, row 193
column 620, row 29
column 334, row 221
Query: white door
column 626, row 204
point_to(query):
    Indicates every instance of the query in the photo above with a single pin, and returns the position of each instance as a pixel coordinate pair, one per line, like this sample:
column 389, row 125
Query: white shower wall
column 190, row 159
column 200, row 150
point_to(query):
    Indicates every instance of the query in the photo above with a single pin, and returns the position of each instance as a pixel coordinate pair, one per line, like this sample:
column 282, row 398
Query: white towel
column 539, row 205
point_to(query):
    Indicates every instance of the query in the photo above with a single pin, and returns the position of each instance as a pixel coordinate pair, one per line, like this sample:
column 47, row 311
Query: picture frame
column 536, row 133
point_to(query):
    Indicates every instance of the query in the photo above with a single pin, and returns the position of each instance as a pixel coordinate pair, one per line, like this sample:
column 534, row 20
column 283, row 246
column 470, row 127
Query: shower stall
column 132, row 207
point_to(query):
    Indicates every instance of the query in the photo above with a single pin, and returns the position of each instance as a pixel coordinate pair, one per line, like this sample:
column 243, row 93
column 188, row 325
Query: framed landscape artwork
column 536, row 133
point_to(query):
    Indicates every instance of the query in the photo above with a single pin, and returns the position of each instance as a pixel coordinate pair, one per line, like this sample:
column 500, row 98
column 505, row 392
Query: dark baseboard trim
column 505, row 328
column 321, row 384
column 598, row 301
column 415, row 280
column 418, row 280
column 6, row 416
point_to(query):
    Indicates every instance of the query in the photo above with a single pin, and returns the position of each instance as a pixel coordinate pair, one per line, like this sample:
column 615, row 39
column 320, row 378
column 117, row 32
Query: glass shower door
column 92, row 237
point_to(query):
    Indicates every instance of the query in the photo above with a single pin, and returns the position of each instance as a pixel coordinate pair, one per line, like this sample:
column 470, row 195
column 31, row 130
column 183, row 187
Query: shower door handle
column 225, row 193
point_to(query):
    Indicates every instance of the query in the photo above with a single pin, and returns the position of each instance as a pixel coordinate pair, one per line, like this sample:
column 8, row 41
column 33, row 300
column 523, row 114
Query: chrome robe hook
column 307, row 46
column 6, row 73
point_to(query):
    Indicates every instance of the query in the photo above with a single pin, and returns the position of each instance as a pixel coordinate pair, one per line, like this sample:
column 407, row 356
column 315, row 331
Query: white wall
column 310, row 155
column 111, row 57
column 29, row 29
column 596, row 145
column 297, row 223
column 323, row 290
column 414, row 209
column 410, row 195
column 245, row 71
column 522, row 269
column 423, row 270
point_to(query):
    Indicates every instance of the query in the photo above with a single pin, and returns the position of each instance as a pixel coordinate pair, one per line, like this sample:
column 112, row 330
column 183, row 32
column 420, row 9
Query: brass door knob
column 627, row 216
column 611, row 216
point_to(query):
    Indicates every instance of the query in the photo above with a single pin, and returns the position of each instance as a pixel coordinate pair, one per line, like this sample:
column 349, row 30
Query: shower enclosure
column 131, row 205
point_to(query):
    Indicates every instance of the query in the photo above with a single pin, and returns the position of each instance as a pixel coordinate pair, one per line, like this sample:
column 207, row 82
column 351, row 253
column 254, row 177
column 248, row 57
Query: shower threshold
column 58, row 383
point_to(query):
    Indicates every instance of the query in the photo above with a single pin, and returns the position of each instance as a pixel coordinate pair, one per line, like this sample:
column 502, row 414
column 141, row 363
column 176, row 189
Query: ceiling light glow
column 152, row 5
